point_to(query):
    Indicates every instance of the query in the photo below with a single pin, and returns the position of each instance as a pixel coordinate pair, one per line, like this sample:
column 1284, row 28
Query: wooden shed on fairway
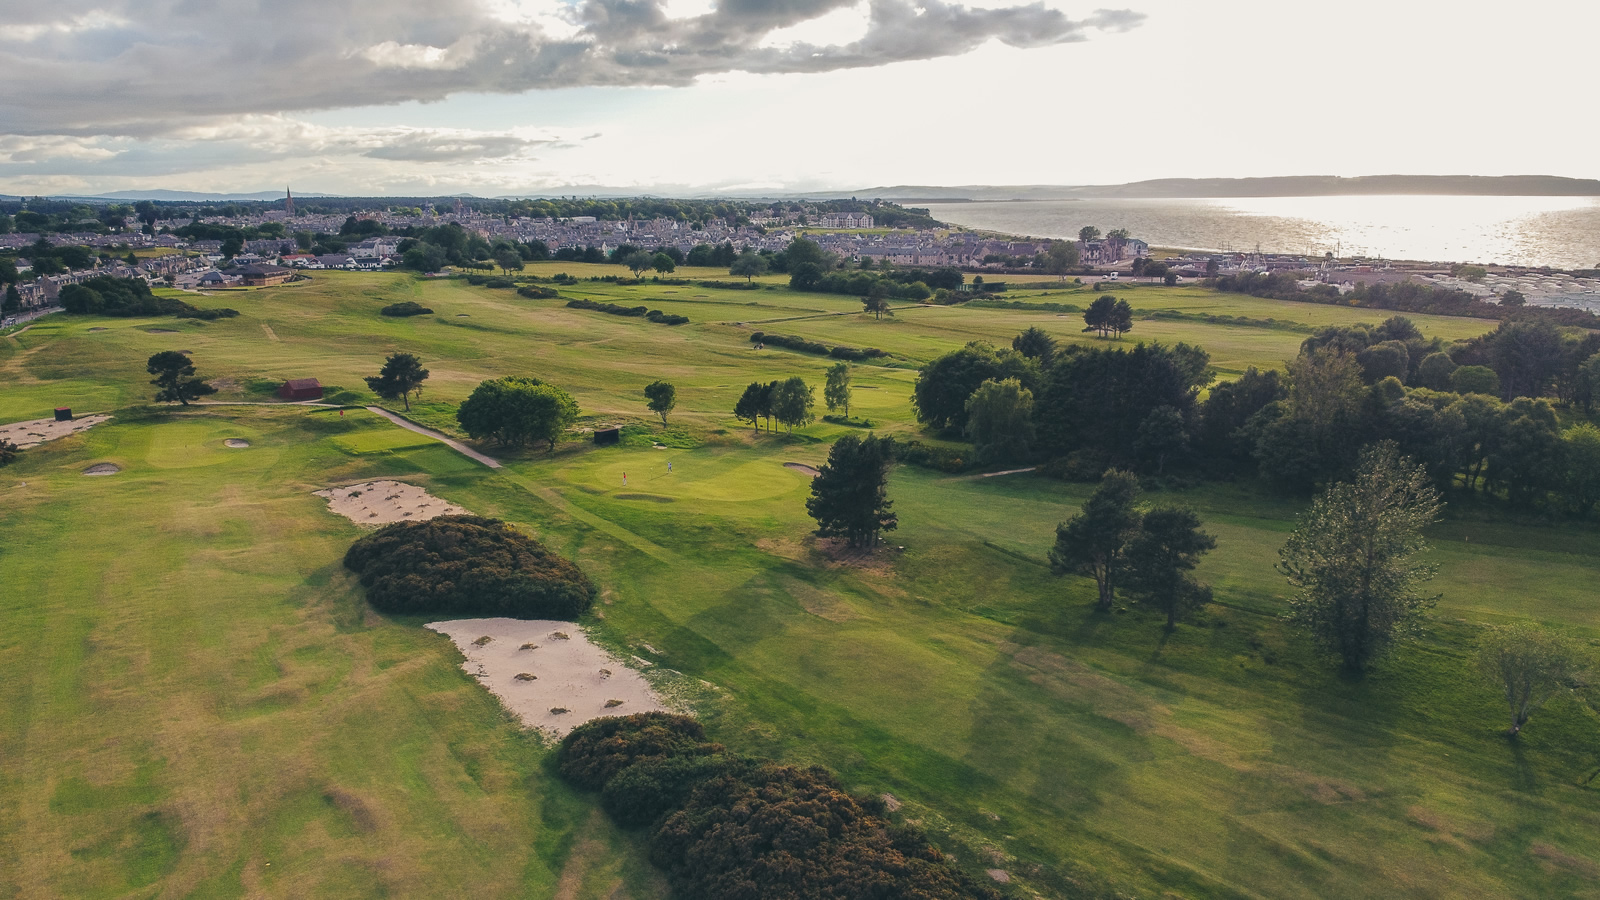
column 301, row 389
column 606, row 436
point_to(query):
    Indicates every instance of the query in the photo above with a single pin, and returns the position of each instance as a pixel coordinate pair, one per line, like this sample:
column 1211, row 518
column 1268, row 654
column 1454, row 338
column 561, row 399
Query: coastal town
column 375, row 239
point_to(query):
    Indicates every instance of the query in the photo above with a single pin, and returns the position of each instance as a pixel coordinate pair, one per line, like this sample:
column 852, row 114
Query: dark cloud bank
column 139, row 69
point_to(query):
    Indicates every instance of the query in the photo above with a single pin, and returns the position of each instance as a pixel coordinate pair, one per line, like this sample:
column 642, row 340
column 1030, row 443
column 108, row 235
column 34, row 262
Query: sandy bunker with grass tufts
column 548, row 672
column 35, row 432
column 236, row 443
column 102, row 469
column 383, row 502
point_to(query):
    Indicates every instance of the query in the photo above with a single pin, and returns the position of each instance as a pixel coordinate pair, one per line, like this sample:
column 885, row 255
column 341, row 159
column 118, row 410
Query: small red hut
column 301, row 389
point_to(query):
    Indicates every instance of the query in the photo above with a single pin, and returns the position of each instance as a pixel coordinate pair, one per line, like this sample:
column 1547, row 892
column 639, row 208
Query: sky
column 689, row 97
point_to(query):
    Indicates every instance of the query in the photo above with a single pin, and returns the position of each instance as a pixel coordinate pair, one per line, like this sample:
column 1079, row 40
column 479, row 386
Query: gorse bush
column 804, row 345
column 405, row 308
column 467, row 565
column 654, row 315
column 534, row 292
column 723, row 827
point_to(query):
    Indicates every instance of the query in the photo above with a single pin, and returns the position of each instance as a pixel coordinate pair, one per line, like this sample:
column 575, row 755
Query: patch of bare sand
column 802, row 468
column 384, row 502
column 573, row 679
column 30, row 434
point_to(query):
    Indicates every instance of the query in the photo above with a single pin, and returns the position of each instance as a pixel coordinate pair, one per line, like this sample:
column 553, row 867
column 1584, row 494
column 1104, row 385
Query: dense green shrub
column 734, row 828
column 104, row 295
column 654, row 315
column 9, row 453
column 467, row 565
column 209, row 315
column 943, row 459
column 598, row 749
column 783, row 833
column 533, row 292
column 730, row 285
column 805, row 345
column 405, row 308
column 652, row 788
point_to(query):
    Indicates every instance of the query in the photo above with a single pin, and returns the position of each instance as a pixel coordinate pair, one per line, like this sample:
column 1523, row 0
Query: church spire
column 288, row 203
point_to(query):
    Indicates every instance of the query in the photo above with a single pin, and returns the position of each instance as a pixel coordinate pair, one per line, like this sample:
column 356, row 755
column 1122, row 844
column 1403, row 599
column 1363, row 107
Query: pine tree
column 849, row 495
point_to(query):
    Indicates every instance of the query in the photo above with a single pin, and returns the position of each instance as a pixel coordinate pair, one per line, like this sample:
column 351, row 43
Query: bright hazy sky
column 498, row 97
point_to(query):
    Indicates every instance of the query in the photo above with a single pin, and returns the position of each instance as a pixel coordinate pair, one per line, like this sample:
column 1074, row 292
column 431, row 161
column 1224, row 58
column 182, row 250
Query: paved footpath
column 459, row 447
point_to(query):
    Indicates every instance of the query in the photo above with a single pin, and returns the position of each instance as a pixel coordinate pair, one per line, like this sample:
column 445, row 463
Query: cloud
column 147, row 68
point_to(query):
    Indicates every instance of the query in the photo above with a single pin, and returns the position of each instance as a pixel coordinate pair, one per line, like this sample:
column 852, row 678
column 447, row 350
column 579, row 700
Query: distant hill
column 175, row 196
column 1285, row 186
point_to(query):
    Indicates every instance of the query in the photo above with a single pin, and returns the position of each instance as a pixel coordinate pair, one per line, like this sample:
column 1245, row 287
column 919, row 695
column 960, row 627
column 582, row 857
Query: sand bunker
column 97, row 328
column 161, row 331
column 802, row 467
column 539, row 666
column 28, row 434
column 236, row 443
column 102, row 469
column 383, row 502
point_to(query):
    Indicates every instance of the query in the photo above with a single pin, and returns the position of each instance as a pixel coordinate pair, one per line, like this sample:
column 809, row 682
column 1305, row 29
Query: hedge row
column 534, row 292
column 654, row 315
column 790, row 342
column 729, row 828
column 209, row 315
column 731, row 285
column 943, row 459
column 494, row 281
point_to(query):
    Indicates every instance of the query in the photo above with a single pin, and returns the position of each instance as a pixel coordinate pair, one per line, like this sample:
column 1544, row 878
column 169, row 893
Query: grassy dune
column 195, row 688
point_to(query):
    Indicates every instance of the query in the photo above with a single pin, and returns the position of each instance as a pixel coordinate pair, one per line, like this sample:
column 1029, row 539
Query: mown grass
column 196, row 688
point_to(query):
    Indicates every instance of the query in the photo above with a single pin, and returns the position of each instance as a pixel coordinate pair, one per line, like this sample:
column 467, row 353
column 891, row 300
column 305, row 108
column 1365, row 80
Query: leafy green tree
column 637, row 261
column 1160, row 557
column 1229, row 407
column 802, row 251
column 13, row 300
column 1163, row 437
column 424, row 257
column 1061, row 258
column 175, row 377
column 1581, row 457
column 849, row 496
column 1088, row 233
column 9, row 452
column 1586, row 391
column 836, row 393
column 940, row 395
column 1094, row 541
column 1513, row 298
column 517, row 410
column 754, row 403
column 792, row 402
column 1384, row 360
column 807, row 275
column 1434, row 371
column 1097, row 317
column 1525, row 455
column 1035, row 343
column 877, row 301
column 749, row 265
column 663, row 263
column 1121, row 321
column 1531, row 666
column 1000, row 421
column 1352, row 558
column 662, row 396
column 401, row 376
column 508, row 260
